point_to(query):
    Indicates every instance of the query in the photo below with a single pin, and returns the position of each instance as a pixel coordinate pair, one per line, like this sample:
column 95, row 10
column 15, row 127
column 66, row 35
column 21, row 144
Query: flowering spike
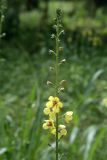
column 54, row 105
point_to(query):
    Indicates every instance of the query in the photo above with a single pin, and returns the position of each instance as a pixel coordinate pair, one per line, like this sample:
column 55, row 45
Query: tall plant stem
column 2, row 9
column 0, row 30
column 56, row 81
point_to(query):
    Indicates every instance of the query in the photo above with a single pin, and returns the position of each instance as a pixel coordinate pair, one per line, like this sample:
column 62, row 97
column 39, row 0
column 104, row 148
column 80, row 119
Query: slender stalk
column 56, row 77
column 57, row 147
column 2, row 9
column 0, row 33
column 0, row 27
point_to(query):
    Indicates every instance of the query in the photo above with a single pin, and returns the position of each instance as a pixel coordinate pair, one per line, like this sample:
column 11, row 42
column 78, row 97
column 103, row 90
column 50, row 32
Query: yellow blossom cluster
column 53, row 107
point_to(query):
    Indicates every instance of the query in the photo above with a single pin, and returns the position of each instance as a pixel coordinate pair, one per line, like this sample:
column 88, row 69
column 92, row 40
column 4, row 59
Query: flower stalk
column 2, row 16
column 54, row 105
column 57, row 73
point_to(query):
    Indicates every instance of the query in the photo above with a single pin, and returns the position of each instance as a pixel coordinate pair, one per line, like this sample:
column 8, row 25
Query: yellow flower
column 53, row 105
column 61, row 131
column 104, row 102
column 68, row 116
column 53, row 131
column 56, row 104
column 49, row 111
column 49, row 124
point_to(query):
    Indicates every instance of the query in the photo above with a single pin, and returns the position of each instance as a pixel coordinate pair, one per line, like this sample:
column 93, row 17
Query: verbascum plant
column 54, row 105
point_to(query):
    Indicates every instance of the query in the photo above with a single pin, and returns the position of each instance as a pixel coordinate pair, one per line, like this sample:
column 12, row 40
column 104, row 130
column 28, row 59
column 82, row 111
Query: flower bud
column 53, row 36
column 49, row 83
column 68, row 116
column 62, row 82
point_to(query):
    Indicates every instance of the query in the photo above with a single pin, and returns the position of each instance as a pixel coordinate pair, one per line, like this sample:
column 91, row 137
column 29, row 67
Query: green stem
column 0, row 30
column 1, row 23
column 57, row 137
column 56, row 90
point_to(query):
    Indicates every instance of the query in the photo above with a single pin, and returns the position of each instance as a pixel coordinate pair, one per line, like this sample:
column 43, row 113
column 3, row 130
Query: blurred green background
column 24, row 71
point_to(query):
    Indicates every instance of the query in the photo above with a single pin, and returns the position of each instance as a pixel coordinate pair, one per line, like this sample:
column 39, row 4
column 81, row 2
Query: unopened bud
column 51, row 68
column 60, row 89
column 52, row 36
column 62, row 32
column 64, row 60
column 48, row 82
column 51, row 51
column 62, row 82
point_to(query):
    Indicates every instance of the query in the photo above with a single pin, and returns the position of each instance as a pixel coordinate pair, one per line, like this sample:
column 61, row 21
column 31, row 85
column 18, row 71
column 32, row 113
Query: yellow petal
column 45, row 126
column 51, row 98
column 48, row 124
column 68, row 116
column 46, row 111
column 56, row 99
column 63, row 132
column 60, row 104
column 56, row 110
column 53, row 131
column 69, row 113
column 67, row 120
column 49, row 104
column 61, row 126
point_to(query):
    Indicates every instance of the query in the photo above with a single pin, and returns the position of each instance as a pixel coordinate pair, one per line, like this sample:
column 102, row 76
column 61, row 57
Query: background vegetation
column 24, row 70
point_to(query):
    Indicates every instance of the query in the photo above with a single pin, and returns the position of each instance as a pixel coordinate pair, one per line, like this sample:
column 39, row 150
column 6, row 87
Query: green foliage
column 22, row 102
column 22, row 84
